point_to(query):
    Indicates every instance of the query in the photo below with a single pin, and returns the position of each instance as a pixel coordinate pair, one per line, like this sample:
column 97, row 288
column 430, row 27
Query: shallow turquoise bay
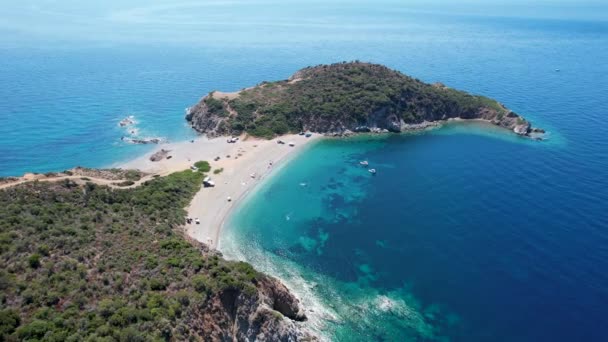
column 466, row 233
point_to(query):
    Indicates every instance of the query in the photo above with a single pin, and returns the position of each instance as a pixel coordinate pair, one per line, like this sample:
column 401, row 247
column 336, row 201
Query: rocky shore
column 271, row 313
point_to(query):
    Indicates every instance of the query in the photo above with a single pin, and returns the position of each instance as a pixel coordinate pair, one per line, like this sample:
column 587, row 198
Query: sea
column 465, row 233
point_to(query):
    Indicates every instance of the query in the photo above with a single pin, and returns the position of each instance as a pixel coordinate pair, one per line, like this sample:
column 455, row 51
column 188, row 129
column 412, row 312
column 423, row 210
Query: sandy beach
column 244, row 163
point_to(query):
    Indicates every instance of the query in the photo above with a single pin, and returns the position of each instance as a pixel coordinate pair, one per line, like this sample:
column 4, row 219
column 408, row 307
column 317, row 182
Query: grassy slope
column 90, row 263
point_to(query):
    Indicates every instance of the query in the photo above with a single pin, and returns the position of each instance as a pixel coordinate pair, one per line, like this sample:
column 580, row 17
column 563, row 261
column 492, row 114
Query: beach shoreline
column 244, row 165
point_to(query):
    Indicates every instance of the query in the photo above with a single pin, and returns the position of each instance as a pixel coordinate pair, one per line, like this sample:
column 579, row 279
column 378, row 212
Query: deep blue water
column 468, row 237
column 467, row 233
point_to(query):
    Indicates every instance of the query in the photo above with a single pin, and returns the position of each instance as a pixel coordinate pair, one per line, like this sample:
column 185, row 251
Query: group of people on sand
column 189, row 220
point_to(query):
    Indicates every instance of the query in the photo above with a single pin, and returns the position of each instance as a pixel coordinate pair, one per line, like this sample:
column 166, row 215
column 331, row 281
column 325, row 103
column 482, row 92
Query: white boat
column 372, row 171
column 291, row 143
column 197, row 221
column 364, row 163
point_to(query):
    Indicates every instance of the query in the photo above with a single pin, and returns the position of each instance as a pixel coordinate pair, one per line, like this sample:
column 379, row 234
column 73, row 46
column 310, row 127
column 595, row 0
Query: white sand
column 210, row 205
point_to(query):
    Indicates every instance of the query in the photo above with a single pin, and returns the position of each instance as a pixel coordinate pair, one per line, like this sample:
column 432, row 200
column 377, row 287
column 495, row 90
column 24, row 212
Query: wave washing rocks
column 129, row 120
column 133, row 132
column 142, row 141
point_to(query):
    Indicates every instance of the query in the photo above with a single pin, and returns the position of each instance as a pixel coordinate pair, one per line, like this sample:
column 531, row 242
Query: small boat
column 308, row 134
column 197, row 221
column 292, row 144
column 364, row 162
column 372, row 171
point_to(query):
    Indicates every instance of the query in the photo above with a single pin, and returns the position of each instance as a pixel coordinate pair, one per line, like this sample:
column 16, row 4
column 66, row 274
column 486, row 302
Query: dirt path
column 81, row 180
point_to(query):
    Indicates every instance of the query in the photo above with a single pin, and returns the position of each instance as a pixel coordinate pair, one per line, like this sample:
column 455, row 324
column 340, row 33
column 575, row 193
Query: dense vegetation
column 344, row 93
column 89, row 263
column 203, row 166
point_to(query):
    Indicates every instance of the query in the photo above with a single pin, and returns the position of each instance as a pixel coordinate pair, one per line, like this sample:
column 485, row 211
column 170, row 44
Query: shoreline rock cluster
column 141, row 141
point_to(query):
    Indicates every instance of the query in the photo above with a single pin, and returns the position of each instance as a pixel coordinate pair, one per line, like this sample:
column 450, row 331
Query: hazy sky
column 56, row 21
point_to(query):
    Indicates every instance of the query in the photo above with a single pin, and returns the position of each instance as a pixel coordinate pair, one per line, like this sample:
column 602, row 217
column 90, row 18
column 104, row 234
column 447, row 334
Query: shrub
column 158, row 284
column 34, row 260
column 34, row 330
column 218, row 171
column 125, row 183
column 9, row 321
column 202, row 166
column 43, row 249
column 216, row 106
column 132, row 175
column 201, row 284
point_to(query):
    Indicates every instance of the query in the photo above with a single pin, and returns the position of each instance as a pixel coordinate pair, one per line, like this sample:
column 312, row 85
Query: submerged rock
column 142, row 141
column 129, row 120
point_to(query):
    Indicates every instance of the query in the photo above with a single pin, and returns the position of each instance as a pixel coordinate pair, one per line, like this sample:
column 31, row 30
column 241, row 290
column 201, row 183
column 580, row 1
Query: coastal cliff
column 341, row 98
column 89, row 262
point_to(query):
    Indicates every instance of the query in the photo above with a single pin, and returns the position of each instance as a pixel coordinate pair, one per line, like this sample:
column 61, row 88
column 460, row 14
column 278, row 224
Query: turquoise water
column 62, row 94
column 466, row 233
column 461, row 235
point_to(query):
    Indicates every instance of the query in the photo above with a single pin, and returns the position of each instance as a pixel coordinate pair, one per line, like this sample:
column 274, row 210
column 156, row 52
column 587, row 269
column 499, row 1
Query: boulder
column 522, row 129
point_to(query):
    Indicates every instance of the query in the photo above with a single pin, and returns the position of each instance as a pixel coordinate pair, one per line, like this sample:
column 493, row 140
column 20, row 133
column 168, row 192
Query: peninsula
column 109, row 254
column 342, row 98
column 82, row 259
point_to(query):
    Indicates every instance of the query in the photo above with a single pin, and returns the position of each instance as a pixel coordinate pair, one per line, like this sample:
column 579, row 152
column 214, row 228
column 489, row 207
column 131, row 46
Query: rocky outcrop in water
column 355, row 97
column 129, row 120
column 141, row 141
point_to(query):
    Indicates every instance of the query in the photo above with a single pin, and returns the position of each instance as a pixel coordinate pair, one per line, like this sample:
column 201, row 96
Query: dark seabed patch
column 451, row 239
